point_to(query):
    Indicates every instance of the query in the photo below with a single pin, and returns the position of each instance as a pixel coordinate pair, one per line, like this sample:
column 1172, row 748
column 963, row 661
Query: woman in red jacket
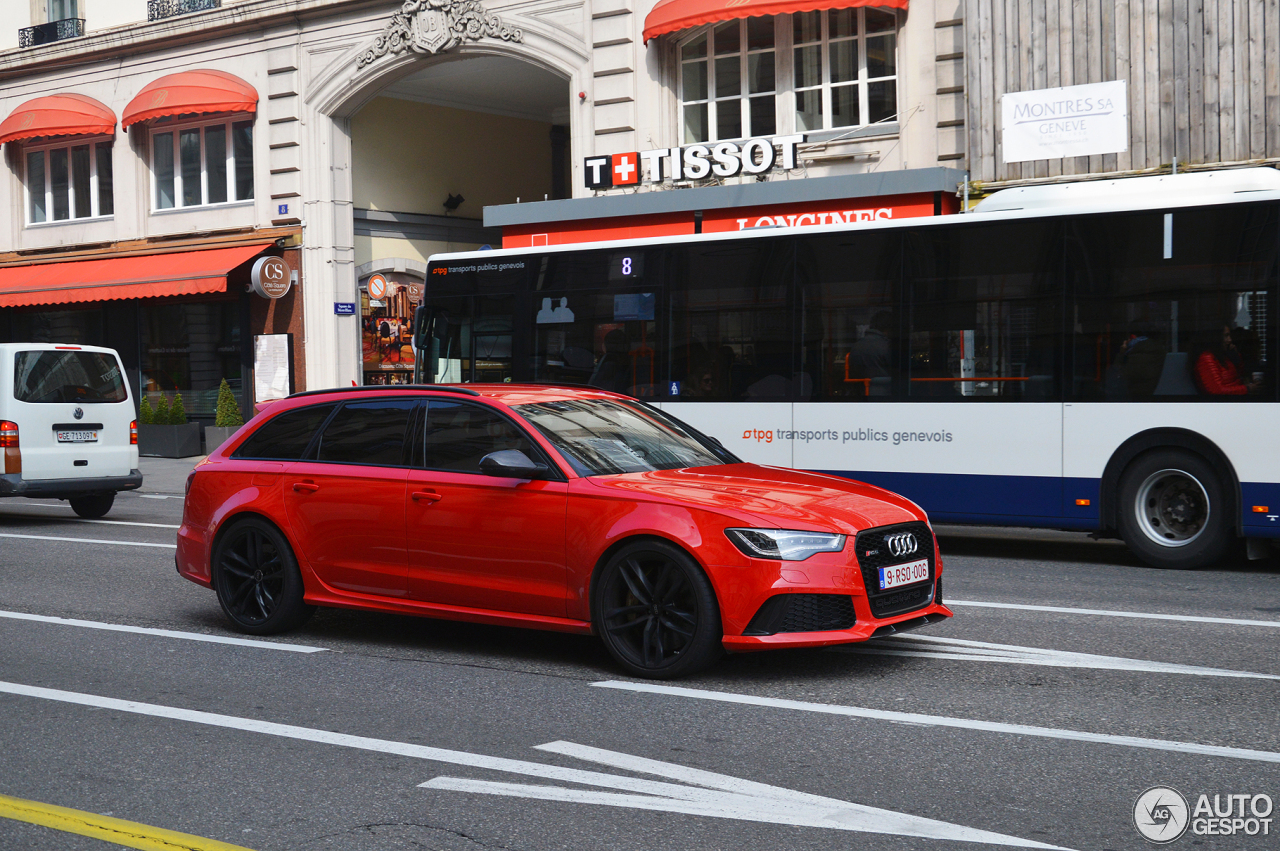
column 1218, row 368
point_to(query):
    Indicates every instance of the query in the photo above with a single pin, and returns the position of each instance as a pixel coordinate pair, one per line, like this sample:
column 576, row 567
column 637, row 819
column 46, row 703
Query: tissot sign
column 692, row 162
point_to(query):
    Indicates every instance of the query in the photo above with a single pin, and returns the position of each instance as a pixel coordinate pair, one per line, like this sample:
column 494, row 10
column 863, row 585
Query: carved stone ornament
column 430, row 26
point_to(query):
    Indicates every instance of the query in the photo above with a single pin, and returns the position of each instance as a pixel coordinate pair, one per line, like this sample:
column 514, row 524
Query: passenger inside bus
column 1219, row 369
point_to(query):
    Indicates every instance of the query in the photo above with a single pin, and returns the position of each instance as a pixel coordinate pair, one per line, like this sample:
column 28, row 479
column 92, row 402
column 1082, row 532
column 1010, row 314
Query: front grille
column 873, row 553
column 803, row 613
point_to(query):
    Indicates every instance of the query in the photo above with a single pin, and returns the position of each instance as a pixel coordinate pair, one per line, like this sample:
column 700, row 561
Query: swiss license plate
column 77, row 436
column 904, row 574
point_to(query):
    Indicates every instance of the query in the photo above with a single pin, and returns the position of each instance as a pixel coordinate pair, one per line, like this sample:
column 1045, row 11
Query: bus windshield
column 603, row 437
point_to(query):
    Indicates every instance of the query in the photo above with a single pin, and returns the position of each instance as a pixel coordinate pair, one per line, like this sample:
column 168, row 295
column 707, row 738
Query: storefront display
column 387, row 303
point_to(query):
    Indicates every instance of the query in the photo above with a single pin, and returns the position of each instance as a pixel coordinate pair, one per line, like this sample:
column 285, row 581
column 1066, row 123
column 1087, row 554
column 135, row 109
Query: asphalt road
column 1069, row 682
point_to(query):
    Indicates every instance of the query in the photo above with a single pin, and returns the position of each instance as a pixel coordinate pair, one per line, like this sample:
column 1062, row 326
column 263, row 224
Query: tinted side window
column 286, row 437
column 367, row 433
column 458, row 435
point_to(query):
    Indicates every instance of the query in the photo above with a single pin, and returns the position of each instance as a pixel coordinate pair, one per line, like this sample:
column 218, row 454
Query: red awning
column 58, row 115
column 674, row 15
column 191, row 93
column 142, row 276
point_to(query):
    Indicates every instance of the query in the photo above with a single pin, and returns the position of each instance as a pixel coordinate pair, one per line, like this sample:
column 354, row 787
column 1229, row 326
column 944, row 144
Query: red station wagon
column 555, row 508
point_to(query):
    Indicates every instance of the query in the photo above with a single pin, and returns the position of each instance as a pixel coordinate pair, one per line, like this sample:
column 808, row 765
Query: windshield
column 601, row 436
column 67, row 376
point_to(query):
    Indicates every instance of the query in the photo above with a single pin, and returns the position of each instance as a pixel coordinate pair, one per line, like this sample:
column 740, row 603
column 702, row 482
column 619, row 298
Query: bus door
column 464, row 340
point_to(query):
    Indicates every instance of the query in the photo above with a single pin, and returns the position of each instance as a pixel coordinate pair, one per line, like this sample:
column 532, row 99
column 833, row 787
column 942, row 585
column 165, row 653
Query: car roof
column 506, row 394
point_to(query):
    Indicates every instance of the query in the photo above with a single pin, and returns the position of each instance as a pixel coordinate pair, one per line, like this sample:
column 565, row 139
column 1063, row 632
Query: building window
column 69, row 182
column 728, row 81
column 204, row 164
column 798, row 73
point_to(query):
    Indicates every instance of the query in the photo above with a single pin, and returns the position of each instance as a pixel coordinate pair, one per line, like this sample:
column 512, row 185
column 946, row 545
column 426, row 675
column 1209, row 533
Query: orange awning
column 674, row 15
column 58, row 115
column 141, row 276
column 191, row 93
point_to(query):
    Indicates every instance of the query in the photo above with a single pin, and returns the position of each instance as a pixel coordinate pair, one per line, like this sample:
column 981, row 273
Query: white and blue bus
column 1093, row 356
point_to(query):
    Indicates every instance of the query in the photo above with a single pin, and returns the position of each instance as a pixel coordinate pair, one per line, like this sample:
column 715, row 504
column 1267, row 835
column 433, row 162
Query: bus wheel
column 1173, row 511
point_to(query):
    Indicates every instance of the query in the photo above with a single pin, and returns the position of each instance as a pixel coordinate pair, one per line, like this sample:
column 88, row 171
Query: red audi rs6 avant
column 548, row 507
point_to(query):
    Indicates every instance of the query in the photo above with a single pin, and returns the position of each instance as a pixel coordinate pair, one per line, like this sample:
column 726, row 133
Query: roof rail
column 388, row 388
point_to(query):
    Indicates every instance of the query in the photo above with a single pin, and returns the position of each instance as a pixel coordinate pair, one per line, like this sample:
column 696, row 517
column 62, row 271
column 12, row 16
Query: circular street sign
column 270, row 277
column 377, row 287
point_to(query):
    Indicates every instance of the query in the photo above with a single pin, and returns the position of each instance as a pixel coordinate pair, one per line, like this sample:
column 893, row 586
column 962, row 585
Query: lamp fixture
column 453, row 202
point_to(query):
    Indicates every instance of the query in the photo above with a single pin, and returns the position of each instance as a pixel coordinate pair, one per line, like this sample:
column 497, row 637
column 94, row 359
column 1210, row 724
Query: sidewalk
column 166, row 475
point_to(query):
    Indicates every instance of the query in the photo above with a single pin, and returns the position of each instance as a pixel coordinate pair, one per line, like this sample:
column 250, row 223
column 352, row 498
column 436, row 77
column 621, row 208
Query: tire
column 257, row 581
column 1172, row 510
column 91, row 507
column 656, row 612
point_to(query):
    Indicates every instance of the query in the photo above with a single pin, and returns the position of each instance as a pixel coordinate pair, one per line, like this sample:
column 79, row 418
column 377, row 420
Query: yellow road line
column 130, row 834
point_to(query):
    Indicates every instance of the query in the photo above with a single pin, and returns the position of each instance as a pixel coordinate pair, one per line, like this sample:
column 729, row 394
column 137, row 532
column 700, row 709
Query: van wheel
column 92, row 506
column 257, row 579
column 1173, row 510
column 656, row 611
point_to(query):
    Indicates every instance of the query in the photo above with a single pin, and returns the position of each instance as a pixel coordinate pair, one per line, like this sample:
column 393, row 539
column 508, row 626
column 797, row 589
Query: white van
column 68, row 428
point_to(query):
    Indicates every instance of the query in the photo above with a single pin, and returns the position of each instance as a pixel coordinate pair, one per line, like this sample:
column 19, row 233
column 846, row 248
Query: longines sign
column 692, row 162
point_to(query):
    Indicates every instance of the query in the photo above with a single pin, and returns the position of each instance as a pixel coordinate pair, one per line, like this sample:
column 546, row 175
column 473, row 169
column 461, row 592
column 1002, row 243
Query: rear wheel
column 1173, row 510
column 92, row 506
column 656, row 611
column 257, row 579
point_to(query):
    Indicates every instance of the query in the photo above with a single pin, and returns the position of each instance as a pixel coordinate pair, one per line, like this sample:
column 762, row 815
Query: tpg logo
column 758, row 435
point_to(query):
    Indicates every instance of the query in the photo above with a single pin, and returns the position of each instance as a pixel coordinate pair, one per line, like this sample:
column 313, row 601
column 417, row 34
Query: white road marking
column 87, row 540
column 947, row 721
column 164, row 633
column 934, row 647
column 1113, row 614
column 87, row 520
column 755, row 802
column 159, row 496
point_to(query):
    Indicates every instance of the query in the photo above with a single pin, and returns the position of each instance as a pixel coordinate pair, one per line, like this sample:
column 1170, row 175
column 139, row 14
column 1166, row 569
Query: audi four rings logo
column 901, row 545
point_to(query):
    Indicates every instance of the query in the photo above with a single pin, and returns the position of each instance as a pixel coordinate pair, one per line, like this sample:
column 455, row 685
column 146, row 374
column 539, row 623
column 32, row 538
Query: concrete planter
column 169, row 441
column 215, row 436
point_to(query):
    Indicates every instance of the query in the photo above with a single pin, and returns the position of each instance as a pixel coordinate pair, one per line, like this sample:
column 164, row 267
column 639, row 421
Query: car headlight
column 784, row 544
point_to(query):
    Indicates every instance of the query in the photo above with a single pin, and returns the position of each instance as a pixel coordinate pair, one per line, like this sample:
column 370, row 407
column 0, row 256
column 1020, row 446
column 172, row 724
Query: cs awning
column 199, row 92
column 142, row 276
column 58, row 115
column 674, row 15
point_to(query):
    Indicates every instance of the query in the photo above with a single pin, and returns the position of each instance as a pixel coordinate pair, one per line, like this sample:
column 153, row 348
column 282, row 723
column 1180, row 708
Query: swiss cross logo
column 625, row 169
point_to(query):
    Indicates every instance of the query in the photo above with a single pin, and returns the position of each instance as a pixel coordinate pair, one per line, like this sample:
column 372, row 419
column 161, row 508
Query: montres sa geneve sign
column 692, row 162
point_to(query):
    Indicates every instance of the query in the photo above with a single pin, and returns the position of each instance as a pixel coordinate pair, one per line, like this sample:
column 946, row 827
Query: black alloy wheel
column 257, row 579
column 656, row 611
column 1172, row 510
column 92, row 507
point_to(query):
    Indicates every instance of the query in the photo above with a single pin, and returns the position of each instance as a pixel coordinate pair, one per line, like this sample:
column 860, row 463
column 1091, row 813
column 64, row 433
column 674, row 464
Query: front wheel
column 257, row 579
column 92, row 507
column 656, row 611
column 1173, row 510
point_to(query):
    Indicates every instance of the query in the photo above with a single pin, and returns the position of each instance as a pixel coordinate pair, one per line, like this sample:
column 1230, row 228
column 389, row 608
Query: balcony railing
column 50, row 32
column 157, row 9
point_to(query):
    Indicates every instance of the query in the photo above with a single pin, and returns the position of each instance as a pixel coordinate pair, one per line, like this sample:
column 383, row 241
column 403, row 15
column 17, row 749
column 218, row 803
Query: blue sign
column 282, row 209
column 344, row 308
column 675, row 388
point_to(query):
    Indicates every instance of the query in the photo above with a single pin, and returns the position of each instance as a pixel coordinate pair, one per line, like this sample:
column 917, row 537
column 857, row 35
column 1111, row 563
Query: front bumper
column 862, row 631
column 12, row 484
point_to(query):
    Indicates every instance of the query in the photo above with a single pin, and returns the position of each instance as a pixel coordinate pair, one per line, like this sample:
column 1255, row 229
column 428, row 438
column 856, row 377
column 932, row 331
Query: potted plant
column 163, row 430
column 226, row 421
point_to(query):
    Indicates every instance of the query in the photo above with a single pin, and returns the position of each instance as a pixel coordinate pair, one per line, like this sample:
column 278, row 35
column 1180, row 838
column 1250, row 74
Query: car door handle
column 429, row 496
column 306, row 487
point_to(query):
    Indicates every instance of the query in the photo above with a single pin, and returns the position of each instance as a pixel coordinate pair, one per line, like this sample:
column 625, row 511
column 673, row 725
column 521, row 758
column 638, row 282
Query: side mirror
column 512, row 464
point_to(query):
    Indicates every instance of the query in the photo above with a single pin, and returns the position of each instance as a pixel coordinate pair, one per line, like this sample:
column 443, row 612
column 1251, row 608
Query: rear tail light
column 133, row 433
column 9, row 445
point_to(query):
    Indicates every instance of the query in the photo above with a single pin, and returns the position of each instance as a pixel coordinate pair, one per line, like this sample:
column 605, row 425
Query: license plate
column 77, row 436
column 904, row 574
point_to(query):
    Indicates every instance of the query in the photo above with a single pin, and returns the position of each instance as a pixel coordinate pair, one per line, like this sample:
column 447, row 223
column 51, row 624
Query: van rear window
column 67, row 377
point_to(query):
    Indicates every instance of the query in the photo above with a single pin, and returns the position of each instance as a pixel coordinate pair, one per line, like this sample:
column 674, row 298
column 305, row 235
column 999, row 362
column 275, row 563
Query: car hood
column 771, row 497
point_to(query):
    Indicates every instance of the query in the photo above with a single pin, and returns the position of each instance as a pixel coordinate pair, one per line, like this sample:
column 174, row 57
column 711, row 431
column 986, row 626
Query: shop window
column 810, row 71
column 188, row 349
column 69, row 182
column 203, row 164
